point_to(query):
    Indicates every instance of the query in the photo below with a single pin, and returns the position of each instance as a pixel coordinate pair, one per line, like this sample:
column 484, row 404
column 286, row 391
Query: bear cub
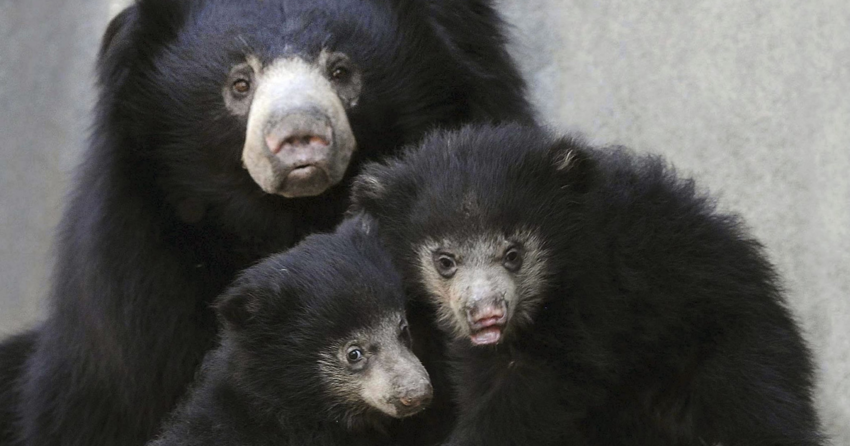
column 315, row 350
column 590, row 296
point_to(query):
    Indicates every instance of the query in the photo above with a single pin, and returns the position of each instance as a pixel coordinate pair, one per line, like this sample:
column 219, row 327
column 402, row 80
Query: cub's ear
column 117, row 46
column 573, row 162
column 235, row 308
column 259, row 290
column 368, row 188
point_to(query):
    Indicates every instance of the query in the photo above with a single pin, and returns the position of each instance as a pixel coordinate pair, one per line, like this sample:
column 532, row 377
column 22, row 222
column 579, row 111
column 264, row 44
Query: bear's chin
column 486, row 336
column 305, row 181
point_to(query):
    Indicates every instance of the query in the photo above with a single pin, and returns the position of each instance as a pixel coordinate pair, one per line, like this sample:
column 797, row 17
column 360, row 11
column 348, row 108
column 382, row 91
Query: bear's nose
column 300, row 133
column 482, row 313
column 415, row 400
column 296, row 142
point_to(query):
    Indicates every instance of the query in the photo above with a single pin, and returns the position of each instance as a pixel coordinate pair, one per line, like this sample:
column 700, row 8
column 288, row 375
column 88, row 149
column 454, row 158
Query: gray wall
column 47, row 51
column 749, row 97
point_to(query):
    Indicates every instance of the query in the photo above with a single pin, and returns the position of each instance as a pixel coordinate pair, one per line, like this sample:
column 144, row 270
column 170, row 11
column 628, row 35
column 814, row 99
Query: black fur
column 662, row 321
column 262, row 385
column 13, row 354
column 163, row 215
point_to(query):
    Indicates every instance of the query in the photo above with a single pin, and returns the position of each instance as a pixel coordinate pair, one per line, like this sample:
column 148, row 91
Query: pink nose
column 494, row 309
column 295, row 141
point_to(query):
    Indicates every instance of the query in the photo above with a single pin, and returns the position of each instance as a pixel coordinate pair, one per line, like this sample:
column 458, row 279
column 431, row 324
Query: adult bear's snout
column 299, row 141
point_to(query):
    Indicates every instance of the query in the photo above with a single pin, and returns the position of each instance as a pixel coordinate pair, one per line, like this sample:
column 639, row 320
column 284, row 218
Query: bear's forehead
column 481, row 244
column 348, row 319
column 274, row 29
column 273, row 19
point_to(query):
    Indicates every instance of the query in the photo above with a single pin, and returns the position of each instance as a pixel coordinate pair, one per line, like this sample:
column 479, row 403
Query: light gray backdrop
column 749, row 97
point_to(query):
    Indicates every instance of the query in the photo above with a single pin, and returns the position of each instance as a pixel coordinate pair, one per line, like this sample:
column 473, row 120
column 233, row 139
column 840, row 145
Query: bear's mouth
column 487, row 323
column 305, row 180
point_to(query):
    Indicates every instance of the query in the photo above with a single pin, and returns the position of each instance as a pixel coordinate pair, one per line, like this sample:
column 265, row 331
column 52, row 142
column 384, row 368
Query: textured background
column 749, row 97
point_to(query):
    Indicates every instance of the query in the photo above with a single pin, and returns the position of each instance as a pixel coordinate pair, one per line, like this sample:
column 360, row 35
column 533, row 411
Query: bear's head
column 320, row 332
column 476, row 218
column 228, row 106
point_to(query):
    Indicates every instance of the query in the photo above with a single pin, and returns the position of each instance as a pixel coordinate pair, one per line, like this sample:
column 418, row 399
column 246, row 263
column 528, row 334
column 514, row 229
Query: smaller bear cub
column 590, row 296
column 315, row 350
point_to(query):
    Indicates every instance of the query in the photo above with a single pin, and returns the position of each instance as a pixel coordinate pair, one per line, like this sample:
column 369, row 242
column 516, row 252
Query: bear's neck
column 291, row 418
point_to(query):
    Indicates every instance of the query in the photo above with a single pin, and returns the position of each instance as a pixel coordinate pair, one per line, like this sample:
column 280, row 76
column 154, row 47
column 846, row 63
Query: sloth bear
column 315, row 350
column 591, row 297
column 226, row 130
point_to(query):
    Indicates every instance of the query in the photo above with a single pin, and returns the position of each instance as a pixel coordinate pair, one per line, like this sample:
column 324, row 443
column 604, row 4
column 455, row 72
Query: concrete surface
column 749, row 97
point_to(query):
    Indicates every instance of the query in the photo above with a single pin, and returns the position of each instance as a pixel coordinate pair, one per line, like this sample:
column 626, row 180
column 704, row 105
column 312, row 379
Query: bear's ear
column 118, row 30
column 134, row 32
column 117, row 46
column 235, row 308
column 368, row 188
column 573, row 164
column 163, row 18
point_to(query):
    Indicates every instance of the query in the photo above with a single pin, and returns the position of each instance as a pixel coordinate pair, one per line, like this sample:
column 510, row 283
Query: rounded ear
column 259, row 289
column 574, row 164
column 163, row 17
column 134, row 32
column 235, row 308
column 117, row 45
column 368, row 188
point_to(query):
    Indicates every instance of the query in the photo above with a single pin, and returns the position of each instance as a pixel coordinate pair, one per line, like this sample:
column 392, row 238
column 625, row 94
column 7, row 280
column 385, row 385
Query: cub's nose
column 414, row 400
column 486, row 312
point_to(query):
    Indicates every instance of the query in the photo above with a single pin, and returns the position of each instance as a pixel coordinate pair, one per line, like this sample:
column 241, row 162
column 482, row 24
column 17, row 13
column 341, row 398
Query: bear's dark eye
column 354, row 355
column 340, row 74
column 512, row 260
column 405, row 334
column 241, row 86
column 446, row 264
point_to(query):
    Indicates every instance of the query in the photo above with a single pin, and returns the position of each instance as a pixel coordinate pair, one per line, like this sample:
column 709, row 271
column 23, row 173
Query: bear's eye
column 241, row 86
column 445, row 264
column 354, row 355
column 512, row 260
column 340, row 74
column 405, row 334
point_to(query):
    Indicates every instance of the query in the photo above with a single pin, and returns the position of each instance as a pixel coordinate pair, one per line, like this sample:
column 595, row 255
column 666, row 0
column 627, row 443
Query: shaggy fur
column 263, row 385
column 13, row 354
column 163, row 214
column 658, row 320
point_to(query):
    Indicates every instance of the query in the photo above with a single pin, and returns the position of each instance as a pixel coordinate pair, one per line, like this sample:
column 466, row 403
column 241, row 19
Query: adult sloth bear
column 164, row 211
column 592, row 297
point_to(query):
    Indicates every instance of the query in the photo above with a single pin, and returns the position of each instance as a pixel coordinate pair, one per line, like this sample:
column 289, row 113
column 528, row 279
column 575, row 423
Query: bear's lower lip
column 305, row 181
column 487, row 336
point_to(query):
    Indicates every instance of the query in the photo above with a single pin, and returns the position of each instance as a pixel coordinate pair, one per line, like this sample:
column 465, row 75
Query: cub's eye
column 445, row 264
column 241, row 86
column 354, row 355
column 405, row 334
column 340, row 74
column 512, row 260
